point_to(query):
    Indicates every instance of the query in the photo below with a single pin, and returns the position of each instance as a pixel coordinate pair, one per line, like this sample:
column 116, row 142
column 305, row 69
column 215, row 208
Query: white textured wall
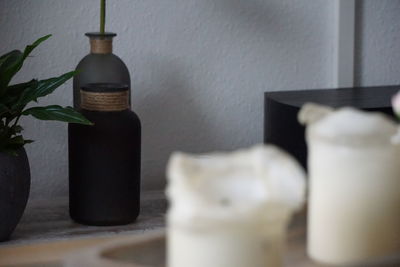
column 378, row 42
column 199, row 69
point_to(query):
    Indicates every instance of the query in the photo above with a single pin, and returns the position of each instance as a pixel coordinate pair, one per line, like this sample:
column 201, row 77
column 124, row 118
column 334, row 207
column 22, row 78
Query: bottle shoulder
column 133, row 116
column 101, row 59
column 95, row 68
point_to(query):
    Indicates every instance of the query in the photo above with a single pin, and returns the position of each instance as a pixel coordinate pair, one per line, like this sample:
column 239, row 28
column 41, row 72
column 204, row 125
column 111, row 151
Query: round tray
column 148, row 250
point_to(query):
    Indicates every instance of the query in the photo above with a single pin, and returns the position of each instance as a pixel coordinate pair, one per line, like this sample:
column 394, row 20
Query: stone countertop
column 48, row 220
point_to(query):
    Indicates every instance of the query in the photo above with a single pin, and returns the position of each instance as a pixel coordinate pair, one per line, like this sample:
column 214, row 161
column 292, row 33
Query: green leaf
column 10, row 57
column 13, row 144
column 46, row 87
column 2, row 57
column 27, row 141
column 13, row 63
column 3, row 109
column 17, row 89
column 8, row 68
column 16, row 129
column 16, row 140
column 29, row 48
column 57, row 113
column 42, row 88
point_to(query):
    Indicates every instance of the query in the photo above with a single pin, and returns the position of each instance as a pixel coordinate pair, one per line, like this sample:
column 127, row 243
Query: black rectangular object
column 280, row 111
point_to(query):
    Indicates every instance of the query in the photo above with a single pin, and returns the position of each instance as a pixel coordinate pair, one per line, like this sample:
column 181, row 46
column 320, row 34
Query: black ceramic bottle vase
column 104, row 159
column 100, row 65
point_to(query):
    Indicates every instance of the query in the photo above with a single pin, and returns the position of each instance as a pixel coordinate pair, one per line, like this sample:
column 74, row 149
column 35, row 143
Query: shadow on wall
column 172, row 119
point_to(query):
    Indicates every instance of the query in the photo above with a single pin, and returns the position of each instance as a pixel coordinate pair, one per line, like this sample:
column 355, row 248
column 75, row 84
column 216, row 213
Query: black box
column 280, row 111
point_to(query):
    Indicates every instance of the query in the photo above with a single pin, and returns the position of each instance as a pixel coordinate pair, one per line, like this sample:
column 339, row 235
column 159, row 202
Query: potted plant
column 14, row 165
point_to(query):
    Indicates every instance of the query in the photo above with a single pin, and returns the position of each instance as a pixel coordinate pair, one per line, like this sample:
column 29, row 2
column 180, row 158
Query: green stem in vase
column 102, row 16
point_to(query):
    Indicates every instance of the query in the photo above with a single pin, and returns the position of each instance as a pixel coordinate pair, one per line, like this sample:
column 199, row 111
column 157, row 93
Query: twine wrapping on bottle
column 105, row 101
column 101, row 46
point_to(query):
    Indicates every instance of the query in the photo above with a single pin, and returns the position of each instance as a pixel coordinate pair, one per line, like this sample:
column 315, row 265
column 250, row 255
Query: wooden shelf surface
column 46, row 235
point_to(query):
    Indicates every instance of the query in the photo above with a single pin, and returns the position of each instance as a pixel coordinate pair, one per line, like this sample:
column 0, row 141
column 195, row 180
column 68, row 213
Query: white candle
column 354, row 171
column 231, row 210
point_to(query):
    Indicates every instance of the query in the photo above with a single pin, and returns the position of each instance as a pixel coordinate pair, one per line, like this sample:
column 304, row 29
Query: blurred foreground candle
column 354, row 170
column 231, row 210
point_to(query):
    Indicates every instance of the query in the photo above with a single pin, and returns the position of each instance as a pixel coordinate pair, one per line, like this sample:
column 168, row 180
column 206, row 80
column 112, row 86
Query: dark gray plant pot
column 15, row 182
